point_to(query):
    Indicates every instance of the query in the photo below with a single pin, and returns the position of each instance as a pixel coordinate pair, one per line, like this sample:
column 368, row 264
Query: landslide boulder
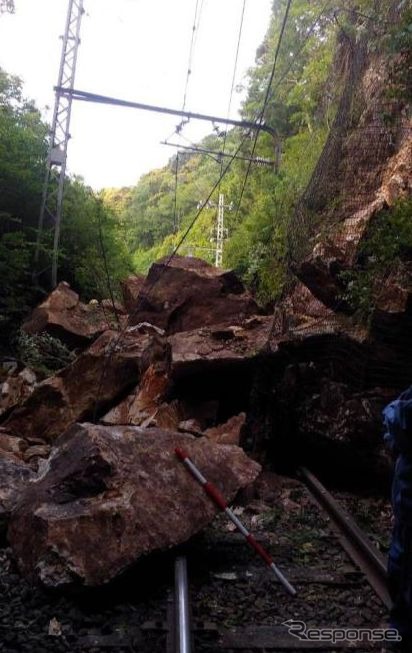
column 99, row 376
column 229, row 432
column 110, row 495
column 131, row 287
column 16, row 388
column 219, row 346
column 14, row 473
column 187, row 293
column 64, row 316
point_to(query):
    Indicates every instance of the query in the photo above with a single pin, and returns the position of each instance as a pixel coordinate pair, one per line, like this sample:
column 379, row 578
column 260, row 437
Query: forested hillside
column 308, row 83
column 89, row 227
column 131, row 227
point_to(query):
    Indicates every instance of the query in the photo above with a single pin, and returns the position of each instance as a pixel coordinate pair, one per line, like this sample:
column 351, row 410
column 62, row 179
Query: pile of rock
column 87, row 459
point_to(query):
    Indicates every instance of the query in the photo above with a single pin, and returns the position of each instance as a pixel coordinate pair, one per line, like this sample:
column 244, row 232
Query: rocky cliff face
column 366, row 167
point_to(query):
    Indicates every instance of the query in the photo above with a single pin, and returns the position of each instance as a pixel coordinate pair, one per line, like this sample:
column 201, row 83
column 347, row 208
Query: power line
column 218, row 260
column 265, row 102
column 217, row 156
column 283, row 77
column 195, row 28
column 302, row 46
column 234, row 70
column 257, row 125
column 202, row 207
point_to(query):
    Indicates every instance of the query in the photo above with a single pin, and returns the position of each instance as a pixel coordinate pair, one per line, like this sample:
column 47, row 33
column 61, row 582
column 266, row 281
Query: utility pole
column 7, row 5
column 52, row 200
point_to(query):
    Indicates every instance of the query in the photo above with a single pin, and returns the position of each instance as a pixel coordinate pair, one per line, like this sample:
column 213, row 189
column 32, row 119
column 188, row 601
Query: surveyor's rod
column 212, row 491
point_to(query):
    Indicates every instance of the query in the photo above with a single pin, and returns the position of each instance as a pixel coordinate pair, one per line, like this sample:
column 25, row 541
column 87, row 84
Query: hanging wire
column 184, row 236
column 265, row 102
column 195, row 29
column 242, row 16
column 179, row 127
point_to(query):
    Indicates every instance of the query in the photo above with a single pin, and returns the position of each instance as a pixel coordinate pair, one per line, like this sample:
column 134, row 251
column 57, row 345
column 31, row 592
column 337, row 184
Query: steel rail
column 182, row 625
column 356, row 544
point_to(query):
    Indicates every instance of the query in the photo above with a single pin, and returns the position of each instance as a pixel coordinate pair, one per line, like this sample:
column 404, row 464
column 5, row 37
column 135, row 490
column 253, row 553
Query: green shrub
column 42, row 352
column 388, row 242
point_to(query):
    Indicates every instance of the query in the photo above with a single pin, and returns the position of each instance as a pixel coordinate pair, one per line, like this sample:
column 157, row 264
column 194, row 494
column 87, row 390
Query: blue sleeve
column 397, row 417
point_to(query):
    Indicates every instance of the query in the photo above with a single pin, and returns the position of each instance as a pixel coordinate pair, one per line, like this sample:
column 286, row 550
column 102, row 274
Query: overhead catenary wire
column 239, row 38
column 265, row 102
column 268, row 95
column 259, row 125
column 275, row 86
column 219, row 155
column 195, row 29
column 232, row 88
column 202, row 207
column 115, row 344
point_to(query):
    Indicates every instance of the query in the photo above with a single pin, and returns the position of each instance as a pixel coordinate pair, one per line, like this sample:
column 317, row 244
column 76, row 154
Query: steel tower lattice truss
column 221, row 232
column 51, row 207
column 7, row 5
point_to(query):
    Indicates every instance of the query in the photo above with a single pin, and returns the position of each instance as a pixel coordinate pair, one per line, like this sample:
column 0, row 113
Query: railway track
column 187, row 632
column 226, row 599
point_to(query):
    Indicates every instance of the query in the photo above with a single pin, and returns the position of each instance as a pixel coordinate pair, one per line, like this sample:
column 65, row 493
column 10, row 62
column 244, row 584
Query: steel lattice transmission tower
column 7, row 5
column 52, row 200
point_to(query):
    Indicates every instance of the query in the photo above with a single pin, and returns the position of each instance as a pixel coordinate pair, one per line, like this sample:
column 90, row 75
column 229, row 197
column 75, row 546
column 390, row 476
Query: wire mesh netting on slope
column 350, row 240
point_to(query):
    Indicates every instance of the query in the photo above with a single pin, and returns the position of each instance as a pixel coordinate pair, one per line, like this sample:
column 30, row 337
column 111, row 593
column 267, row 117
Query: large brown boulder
column 95, row 380
column 301, row 307
column 144, row 403
column 229, row 432
column 113, row 494
column 131, row 287
column 15, row 389
column 14, row 474
column 187, row 293
column 64, row 316
column 218, row 346
column 391, row 327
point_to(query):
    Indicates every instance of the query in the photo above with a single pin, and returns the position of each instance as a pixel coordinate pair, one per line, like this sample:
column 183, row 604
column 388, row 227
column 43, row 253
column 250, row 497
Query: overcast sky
column 137, row 50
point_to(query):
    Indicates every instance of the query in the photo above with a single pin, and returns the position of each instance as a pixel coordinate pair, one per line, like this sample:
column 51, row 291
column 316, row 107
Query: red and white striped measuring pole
column 212, row 491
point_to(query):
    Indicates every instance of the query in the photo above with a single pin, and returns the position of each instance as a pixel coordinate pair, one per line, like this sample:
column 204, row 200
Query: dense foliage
column 104, row 236
column 301, row 107
column 386, row 249
column 89, row 227
column 307, row 85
